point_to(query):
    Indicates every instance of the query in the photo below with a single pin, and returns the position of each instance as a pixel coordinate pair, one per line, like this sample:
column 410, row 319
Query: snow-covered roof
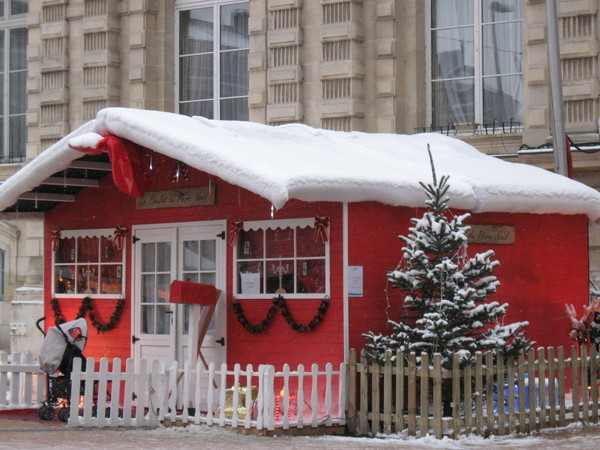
column 299, row 162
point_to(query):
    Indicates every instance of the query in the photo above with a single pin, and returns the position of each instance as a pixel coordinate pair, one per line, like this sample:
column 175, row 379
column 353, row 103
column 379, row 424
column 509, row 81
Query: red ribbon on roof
column 128, row 170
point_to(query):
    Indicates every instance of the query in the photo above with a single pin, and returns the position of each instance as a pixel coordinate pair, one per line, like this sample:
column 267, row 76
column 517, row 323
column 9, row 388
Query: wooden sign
column 489, row 234
column 199, row 196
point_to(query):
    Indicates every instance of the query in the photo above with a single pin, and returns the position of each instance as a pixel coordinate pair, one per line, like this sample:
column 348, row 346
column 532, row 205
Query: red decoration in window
column 120, row 233
column 55, row 240
column 321, row 224
column 234, row 230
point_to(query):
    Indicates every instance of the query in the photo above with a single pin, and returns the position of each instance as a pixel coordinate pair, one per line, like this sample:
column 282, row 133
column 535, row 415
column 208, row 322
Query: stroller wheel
column 46, row 412
column 64, row 414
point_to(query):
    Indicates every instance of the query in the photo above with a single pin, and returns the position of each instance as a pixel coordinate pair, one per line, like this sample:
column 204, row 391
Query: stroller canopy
column 60, row 340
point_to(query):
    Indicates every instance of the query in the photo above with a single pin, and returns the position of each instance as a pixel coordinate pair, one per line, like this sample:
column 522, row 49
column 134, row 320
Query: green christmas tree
column 446, row 308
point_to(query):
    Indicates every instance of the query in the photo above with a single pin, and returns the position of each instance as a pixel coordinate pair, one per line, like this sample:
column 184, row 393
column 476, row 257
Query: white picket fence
column 22, row 383
column 149, row 394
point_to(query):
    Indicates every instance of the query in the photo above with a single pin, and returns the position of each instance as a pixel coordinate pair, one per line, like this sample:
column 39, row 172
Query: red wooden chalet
column 296, row 227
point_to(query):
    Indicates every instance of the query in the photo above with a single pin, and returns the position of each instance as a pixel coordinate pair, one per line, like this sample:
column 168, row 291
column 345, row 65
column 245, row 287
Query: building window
column 476, row 63
column 213, row 59
column 2, row 273
column 13, row 79
column 88, row 262
column 287, row 257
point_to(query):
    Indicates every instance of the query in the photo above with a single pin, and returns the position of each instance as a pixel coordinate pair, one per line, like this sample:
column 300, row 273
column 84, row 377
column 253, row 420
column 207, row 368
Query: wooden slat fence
column 496, row 396
column 22, row 383
column 261, row 398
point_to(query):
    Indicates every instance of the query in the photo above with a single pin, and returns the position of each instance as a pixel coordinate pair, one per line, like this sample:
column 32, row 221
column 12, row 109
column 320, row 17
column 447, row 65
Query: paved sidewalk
column 25, row 430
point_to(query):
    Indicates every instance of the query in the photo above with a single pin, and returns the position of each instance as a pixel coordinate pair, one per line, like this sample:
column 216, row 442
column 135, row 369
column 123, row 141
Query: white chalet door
column 163, row 253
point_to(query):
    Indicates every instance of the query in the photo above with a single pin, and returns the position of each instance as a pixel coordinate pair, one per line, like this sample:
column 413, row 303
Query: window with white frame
column 212, row 49
column 13, row 79
column 282, row 257
column 476, row 63
column 88, row 262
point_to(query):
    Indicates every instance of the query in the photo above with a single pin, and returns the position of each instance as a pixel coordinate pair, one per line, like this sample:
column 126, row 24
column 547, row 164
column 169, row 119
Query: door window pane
column 148, row 256
column 209, row 255
column 163, row 257
column 190, row 255
column 148, row 288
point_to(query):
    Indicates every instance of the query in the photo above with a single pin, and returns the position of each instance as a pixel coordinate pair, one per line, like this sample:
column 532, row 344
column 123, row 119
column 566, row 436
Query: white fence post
column 76, row 378
column 223, row 392
column 300, row 397
column 314, row 398
column 115, row 392
column 343, row 394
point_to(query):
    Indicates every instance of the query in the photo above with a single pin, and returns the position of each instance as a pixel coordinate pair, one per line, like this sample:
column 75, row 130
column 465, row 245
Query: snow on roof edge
column 309, row 164
column 54, row 159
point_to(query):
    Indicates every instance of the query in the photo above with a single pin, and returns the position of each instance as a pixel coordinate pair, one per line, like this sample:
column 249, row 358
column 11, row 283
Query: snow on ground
column 194, row 436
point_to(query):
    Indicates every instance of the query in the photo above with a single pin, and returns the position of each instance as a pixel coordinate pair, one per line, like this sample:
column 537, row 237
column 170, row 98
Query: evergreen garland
column 87, row 308
column 316, row 320
column 280, row 302
column 254, row 329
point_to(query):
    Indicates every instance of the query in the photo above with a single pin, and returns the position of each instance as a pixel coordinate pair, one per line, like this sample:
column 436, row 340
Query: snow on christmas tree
column 446, row 292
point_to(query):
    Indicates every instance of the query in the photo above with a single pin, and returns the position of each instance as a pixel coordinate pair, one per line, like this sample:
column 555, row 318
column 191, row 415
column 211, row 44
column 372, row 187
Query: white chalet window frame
column 99, row 273
column 302, row 269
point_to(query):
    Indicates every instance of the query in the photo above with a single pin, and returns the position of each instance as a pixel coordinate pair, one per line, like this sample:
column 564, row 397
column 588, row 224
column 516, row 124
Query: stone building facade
column 364, row 65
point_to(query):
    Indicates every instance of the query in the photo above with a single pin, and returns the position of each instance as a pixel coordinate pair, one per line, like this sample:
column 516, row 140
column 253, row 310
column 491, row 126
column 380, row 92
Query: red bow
column 55, row 240
column 234, row 230
column 126, row 159
column 119, row 233
column 321, row 224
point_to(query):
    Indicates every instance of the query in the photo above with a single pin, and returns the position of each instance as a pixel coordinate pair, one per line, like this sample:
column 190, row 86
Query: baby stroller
column 62, row 344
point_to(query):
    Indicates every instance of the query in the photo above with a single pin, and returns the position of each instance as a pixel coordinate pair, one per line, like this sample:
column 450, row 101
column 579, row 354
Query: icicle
column 151, row 161
column 209, row 184
column 272, row 211
column 36, row 200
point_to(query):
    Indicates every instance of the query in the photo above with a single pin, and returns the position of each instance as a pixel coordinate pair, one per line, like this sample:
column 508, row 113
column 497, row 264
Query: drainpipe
column 558, row 124
column 346, row 318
